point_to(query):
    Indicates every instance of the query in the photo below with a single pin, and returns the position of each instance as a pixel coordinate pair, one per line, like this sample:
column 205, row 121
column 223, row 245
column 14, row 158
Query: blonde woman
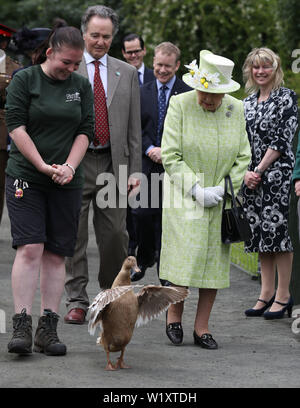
column 271, row 116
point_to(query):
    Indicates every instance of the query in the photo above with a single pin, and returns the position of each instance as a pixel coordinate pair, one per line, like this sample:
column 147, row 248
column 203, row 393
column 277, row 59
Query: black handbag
column 235, row 226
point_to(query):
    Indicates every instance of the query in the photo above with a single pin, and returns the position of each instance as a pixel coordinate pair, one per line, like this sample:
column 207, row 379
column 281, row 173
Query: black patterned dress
column 271, row 124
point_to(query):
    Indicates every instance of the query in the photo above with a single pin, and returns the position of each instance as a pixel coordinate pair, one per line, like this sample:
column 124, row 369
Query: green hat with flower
column 213, row 75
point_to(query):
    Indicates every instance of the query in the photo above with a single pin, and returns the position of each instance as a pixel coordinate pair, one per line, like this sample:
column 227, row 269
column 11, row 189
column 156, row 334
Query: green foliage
column 292, row 81
column 288, row 13
column 41, row 13
column 227, row 27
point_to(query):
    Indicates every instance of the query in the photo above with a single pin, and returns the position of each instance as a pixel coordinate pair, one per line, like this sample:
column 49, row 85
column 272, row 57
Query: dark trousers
column 149, row 227
column 131, row 225
column 149, row 238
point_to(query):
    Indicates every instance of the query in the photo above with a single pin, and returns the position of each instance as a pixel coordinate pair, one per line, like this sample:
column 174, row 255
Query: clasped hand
column 60, row 174
column 155, row 154
column 252, row 179
column 209, row 196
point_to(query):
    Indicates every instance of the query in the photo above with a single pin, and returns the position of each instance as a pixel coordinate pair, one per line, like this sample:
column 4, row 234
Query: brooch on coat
column 229, row 111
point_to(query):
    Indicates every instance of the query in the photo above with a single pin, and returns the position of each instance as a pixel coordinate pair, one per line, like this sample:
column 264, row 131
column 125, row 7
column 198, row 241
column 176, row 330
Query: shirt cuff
column 149, row 148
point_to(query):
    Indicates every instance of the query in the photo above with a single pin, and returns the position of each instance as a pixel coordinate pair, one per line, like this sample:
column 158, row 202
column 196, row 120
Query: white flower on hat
column 213, row 78
column 202, row 77
column 193, row 67
column 213, row 74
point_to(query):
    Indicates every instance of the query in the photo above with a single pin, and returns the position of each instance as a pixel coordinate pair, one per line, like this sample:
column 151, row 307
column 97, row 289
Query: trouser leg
column 112, row 241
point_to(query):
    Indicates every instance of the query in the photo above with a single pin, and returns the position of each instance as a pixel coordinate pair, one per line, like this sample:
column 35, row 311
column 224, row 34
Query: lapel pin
column 118, row 73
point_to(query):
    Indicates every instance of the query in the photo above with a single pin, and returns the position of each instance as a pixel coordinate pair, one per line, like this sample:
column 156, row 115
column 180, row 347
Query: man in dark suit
column 134, row 51
column 117, row 153
column 155, row 97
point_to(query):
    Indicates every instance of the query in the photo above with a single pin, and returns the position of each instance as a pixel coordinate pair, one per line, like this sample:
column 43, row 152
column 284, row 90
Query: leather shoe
column 174, row 331
column 136, row 276
column 205, row 341
column 75, row 316
column 165, row 282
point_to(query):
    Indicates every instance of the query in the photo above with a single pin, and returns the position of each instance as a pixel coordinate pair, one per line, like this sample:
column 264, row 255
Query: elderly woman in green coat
column 204, row 140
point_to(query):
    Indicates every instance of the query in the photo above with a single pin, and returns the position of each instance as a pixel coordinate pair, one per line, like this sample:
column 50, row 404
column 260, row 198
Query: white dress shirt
column 91, row 69
column 141, row 72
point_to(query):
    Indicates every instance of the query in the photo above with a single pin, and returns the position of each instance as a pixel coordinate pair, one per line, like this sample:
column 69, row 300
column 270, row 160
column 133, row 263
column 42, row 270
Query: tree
column 288, row 16
column 225, row 27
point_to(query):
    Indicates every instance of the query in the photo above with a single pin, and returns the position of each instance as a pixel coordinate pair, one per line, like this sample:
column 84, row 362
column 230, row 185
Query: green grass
column 248, row 262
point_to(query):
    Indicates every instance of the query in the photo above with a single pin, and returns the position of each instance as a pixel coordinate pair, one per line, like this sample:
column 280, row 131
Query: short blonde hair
column 261, row 56
column 168, row 48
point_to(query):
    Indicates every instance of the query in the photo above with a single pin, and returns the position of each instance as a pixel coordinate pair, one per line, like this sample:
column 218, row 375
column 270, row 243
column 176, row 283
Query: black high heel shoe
column 260, row 312
column 280, row 313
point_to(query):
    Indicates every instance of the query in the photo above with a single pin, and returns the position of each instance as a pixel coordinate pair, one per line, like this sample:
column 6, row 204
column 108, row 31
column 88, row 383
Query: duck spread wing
column 154, row 300
column 104, row 298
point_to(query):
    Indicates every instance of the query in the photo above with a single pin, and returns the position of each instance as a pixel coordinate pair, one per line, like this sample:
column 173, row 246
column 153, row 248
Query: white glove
column 209, row 196
column 217, row 190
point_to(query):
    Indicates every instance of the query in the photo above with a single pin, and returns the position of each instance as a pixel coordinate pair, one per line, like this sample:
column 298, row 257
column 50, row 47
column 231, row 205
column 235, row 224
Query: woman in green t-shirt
column 49, row 115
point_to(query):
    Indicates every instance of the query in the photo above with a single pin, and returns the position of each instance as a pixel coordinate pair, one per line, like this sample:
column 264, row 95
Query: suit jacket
column 123, row 105
column 148, row 75
column 149, row 117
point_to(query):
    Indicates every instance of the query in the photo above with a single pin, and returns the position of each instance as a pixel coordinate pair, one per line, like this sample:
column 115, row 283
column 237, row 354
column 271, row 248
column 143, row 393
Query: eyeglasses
column 133, row 52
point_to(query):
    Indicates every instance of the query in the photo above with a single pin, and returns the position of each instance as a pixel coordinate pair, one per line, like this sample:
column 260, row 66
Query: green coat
column 199, row 146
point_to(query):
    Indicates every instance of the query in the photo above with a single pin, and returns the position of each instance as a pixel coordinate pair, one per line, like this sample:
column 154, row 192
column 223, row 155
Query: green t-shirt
column 54, row 113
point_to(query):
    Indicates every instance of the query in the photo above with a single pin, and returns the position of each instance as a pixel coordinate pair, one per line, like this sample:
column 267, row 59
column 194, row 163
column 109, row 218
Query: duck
column 119, row 310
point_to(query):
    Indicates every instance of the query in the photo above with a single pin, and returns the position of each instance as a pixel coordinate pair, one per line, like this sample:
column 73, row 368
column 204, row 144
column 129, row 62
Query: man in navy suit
column 134, row 51
column 155, row 97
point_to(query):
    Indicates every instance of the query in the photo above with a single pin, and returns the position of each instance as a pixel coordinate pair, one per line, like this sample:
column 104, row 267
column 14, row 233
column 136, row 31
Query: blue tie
column 161, row 112
column 139, row 75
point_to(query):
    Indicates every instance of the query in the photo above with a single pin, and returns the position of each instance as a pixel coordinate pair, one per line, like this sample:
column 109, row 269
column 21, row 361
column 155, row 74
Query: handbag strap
column 234, row 199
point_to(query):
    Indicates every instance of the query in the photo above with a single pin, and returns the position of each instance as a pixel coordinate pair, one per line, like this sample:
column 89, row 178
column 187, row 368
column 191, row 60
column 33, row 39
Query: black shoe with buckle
column 205, row 341
column 174, row 332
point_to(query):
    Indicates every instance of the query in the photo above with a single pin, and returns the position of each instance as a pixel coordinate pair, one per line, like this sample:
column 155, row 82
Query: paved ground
column 252, row 352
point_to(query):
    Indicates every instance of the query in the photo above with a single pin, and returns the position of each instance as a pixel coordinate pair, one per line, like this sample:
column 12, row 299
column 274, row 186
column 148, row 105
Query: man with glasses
column 134, row 51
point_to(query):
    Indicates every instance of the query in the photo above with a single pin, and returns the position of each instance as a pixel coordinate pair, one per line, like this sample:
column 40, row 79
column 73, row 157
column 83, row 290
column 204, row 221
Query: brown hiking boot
column 46, row 339
column 21, row 342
